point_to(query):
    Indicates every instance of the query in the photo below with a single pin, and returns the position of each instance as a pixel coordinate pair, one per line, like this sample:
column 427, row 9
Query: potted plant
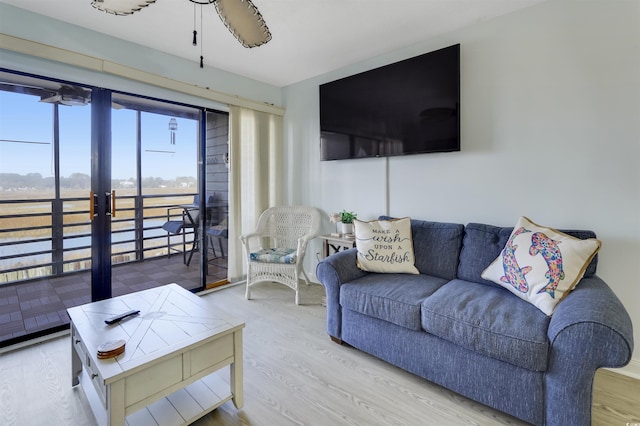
column 344, row 221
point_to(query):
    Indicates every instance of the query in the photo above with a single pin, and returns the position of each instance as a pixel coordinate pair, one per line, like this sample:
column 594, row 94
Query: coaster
column 110, row 349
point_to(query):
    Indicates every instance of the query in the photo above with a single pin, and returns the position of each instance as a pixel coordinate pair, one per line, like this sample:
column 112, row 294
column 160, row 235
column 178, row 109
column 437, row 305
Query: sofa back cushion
column 482, row 244
column 436, row 246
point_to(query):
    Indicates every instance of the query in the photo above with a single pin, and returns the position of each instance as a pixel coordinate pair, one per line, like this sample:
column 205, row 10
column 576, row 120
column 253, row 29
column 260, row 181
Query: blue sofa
column 450, row 326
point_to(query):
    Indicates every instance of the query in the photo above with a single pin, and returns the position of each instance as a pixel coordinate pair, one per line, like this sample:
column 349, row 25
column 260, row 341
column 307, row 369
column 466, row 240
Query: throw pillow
column 541, row 265
column 385, row 246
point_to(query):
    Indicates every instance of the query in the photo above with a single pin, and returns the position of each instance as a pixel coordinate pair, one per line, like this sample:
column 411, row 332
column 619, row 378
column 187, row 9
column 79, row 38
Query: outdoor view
column 45, row 183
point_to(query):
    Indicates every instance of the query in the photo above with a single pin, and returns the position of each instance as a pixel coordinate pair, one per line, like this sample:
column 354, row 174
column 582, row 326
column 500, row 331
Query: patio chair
column 189, row 223
column 275, row 251
column 219, row 232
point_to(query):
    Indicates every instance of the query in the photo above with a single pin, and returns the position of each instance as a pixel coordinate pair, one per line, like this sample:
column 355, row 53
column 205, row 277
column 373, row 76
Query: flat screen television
column 408, row 107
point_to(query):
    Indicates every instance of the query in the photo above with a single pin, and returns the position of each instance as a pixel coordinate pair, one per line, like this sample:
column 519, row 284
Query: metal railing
column 49, row 237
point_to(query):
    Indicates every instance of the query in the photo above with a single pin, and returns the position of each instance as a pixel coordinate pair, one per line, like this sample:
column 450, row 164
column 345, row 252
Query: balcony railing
column 48, row 237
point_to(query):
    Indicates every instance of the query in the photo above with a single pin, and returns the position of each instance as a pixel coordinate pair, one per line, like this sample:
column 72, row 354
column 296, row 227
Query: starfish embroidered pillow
column 385, row 246
column 541, row 265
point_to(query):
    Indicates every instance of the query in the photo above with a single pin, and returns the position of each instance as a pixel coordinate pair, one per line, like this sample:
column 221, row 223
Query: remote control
column 118, row 318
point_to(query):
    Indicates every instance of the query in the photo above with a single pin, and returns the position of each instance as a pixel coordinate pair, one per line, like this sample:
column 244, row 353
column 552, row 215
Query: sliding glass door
column 103, row 193
column 155, row 146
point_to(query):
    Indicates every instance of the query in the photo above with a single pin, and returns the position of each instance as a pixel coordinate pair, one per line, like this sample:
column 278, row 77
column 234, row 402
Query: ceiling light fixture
column 241, row 17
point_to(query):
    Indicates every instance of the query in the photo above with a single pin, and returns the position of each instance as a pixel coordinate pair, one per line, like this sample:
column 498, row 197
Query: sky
column 24, row 118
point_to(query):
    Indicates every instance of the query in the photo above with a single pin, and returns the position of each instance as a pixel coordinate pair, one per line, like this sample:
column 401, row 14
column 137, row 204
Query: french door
column 164, row 179
column 101, row 198
column 88, row 176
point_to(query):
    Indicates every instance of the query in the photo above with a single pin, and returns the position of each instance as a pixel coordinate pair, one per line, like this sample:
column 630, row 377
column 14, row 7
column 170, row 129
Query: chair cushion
column 218, row 231
column 488, row 320
column 275, row 255
column 394, row 298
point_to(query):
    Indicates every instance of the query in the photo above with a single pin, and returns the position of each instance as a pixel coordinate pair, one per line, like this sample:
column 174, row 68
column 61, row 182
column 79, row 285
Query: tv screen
column 409, row 107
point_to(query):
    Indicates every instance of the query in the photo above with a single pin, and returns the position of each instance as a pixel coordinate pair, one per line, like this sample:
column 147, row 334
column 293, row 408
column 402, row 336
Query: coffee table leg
column 76, row 362
column 115, row 404
column 236, row 371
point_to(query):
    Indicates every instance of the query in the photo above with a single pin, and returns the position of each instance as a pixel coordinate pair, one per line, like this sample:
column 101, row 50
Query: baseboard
column 630, row 370
column 313, row 278
column 34, row 341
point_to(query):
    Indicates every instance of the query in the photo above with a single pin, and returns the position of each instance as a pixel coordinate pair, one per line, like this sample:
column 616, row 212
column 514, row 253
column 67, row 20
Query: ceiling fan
column 241, row 17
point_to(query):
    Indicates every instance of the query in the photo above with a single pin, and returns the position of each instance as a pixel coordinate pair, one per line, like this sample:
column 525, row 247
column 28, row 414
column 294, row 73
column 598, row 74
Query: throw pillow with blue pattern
column 275, row 255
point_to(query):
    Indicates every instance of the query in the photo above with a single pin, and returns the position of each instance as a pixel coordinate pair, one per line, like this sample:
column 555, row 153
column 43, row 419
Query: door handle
column 110, row 198
column 92, row 205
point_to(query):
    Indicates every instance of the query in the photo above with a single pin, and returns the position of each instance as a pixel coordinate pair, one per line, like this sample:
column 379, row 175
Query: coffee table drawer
column 91, row 370
column 152, row 380
column 212, row 353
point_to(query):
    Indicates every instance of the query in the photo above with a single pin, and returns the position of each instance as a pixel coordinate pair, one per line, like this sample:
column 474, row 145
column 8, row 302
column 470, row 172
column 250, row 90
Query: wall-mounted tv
column 408, row 107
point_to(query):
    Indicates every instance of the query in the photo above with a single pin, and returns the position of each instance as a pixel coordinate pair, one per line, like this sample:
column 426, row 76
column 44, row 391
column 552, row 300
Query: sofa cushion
column 491, row 321
column 385, row 246
column 395, row 298
column 436, row 246
column 483, row 243
column 541, row 265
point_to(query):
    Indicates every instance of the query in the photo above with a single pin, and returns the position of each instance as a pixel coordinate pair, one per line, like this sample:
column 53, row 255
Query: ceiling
column 310, row 37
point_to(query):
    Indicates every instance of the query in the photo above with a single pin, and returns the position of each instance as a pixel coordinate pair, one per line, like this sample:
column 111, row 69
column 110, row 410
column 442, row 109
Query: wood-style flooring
column 293, row 375
column 32, row 308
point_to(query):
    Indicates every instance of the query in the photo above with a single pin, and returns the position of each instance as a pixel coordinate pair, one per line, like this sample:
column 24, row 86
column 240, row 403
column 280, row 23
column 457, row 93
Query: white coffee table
column 178, row 352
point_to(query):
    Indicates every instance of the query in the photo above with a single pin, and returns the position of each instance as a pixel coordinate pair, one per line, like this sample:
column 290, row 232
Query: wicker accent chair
column 275, row 251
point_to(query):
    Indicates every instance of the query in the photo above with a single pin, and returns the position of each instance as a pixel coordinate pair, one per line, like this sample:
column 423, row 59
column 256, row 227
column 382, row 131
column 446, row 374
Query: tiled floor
column 33, row 308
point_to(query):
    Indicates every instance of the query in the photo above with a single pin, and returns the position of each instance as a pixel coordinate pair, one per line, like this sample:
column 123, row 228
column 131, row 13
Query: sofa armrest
column 332, row 272
column 589, row 329
column 592, row 301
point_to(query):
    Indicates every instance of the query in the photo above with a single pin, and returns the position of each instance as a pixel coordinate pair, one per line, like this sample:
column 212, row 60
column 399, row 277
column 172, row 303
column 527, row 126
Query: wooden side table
column 332, row 244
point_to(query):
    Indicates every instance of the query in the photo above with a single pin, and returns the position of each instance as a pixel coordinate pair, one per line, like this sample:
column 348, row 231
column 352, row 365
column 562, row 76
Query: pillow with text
column 385, row 246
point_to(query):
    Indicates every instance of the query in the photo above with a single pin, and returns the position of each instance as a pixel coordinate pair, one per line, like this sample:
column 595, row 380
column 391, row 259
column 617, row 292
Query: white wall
column 550, row 129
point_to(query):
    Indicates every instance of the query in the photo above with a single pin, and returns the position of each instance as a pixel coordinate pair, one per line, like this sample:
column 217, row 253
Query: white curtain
column 255, row 176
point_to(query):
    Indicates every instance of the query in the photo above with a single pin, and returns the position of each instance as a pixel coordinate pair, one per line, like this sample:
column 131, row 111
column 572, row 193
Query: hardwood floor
column 616, row 400
column 293, row 375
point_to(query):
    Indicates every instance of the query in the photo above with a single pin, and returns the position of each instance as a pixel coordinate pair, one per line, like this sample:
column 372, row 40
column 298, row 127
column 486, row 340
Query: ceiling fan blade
column 244, row 21
column 121, row 7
